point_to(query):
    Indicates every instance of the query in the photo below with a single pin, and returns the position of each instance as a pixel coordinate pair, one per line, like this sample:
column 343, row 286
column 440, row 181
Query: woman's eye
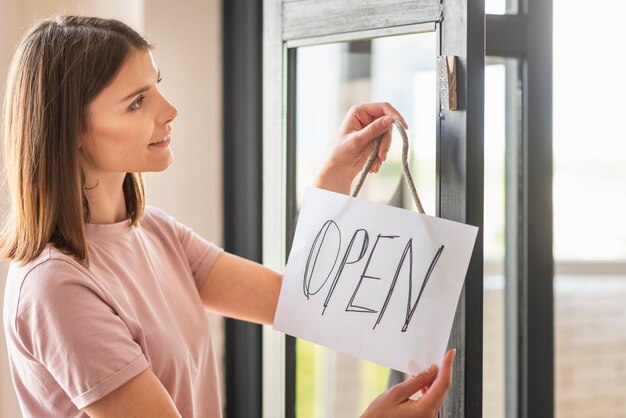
column 136, row 104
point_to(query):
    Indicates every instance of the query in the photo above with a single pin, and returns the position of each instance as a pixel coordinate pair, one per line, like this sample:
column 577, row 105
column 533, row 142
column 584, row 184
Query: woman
column 105, row 298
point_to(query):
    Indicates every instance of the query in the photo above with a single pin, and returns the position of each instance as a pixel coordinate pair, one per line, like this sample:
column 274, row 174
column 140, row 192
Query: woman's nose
column 169, row 113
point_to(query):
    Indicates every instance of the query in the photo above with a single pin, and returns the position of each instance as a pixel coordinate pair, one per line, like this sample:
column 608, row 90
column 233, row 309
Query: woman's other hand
column 395, row 402
column 354, row 143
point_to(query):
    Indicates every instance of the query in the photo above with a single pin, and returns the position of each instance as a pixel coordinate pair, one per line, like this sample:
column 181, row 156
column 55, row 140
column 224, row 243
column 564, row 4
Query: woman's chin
column 162, row 166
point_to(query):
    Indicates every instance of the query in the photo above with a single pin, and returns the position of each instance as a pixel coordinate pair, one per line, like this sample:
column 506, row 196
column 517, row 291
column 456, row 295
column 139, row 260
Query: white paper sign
column 374, row 281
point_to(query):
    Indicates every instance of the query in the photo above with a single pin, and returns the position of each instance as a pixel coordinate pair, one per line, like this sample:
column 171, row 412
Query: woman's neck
column 106, row 199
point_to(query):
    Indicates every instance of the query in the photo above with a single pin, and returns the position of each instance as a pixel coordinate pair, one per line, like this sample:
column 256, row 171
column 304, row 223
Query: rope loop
column 405, row 165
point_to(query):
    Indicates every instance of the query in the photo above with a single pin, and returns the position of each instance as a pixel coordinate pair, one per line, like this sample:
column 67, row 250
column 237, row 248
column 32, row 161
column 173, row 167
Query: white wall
column 188, row 53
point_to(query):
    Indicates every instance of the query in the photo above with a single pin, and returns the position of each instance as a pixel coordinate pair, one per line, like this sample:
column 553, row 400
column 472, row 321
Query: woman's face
column 129, row 122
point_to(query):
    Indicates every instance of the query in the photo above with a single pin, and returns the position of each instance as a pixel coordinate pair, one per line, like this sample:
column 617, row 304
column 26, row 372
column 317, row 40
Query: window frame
column 527, row 37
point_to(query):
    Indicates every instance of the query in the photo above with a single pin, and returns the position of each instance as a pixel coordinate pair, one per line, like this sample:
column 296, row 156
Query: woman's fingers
column 362, row 125
column 374, row 110
column 396, row 401
column 408, row 388
column 437, row 391
column 385, row 144
column 375, row 129
column 364, row 139
column 367, row 121
column 359, row 116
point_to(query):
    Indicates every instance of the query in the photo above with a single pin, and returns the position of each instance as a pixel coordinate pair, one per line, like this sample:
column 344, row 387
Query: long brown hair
column 60, row 66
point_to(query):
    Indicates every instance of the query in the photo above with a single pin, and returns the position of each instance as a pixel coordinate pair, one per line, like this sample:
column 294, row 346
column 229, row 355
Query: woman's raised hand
column 354, row 143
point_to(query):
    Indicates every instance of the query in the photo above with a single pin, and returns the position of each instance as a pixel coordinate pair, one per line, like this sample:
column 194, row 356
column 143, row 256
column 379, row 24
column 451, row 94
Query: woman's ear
column 84, row 140
column 83, row 156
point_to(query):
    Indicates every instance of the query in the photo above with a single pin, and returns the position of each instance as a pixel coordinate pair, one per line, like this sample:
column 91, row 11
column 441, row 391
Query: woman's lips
column 162, row 143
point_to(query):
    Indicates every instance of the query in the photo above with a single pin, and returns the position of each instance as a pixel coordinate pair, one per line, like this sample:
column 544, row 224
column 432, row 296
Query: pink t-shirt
column 74, row 334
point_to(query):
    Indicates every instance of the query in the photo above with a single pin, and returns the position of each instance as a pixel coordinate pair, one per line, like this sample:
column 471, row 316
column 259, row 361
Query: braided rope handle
column 405, row 165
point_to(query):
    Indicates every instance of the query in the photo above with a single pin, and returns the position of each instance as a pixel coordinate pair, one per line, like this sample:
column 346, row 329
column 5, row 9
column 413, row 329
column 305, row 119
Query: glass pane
column 589, row 208
column 330, row 78
column 501, row 104
column 493, row 298
column 501, row 7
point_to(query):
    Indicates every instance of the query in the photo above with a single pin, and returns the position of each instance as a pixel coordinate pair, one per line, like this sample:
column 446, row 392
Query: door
column 319, row 57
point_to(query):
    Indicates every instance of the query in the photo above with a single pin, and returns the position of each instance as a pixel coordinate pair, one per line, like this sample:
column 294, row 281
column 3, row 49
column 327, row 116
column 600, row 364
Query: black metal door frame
column 242, row 144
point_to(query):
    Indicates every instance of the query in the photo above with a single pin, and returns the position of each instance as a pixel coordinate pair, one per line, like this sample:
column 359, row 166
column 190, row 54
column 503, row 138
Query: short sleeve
column 201, row 254
column 65, row 322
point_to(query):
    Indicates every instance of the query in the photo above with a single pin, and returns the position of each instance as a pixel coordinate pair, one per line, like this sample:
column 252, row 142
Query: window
column 501, row 7
column 501, row 155
column 330, row 78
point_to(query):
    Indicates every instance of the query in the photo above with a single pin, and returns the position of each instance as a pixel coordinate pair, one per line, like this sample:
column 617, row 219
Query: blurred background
column 589, row 178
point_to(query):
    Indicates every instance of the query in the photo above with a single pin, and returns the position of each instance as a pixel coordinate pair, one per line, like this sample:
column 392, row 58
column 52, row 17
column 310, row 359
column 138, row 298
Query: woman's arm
column 242, row 289
column 142, row 397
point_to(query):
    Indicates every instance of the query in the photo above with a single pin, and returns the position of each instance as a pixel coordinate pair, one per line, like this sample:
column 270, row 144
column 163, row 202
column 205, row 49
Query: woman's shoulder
column 50, row 261
column 153, row 211
column 154, row 215
column 43, row 281
column 38, row 273
column 157, row 220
